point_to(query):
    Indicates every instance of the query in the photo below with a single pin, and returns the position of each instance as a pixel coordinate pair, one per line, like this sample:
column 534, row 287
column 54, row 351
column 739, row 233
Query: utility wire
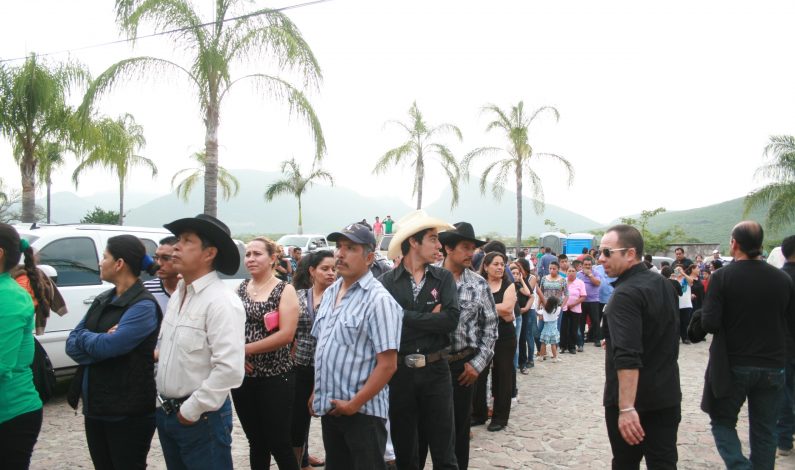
column 178, row 30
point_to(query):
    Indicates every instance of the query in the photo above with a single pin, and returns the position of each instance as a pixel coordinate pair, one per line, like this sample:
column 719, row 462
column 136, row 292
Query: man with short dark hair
column 785, row 427
column 717, row 261
column 420, row 392
column 642, row 395
column 543, row 263
column 162, row 286
column 750, row 308
column 590, row 307
column 679, row 252
column 357, row 328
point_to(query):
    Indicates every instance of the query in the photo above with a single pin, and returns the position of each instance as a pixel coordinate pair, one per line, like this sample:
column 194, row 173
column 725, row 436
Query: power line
column 178, row 30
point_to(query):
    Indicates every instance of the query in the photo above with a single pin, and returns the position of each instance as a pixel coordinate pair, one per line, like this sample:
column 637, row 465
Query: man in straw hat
column 201, row 348
column 420, row 398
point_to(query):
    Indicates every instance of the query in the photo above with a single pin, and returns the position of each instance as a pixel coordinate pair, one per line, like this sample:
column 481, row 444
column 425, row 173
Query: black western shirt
column 423, row 330
column 642, row 332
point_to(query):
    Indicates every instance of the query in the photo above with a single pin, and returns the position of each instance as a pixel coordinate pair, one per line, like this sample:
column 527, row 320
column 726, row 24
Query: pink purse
column 271, row 320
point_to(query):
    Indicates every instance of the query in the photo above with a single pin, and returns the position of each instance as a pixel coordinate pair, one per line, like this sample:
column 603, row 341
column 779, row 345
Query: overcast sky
column 667, row 104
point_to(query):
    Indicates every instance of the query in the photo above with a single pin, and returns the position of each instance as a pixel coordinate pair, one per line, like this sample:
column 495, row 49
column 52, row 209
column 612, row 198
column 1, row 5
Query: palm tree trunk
column 121, row 201
column 49, row 186
column 300, row 218
column 518, row 206
column 27, row 169
column 419, row 177
column 211, row 164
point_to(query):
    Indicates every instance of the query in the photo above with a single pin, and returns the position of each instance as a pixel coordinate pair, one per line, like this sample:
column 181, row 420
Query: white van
column 74, row 252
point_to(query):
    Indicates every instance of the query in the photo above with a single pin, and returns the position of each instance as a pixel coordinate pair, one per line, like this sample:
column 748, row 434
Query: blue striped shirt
column 366, row 322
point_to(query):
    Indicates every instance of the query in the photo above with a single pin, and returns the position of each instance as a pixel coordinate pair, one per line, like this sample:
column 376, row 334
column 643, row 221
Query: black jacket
column 642, row 332
column 424, row 331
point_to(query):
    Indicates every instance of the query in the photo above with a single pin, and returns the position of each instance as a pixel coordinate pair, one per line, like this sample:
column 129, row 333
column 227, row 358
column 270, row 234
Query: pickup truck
column 307, row 242
column 74, row 252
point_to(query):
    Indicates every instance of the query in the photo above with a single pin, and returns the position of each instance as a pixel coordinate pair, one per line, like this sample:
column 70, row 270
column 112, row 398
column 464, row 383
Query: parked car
column 74, row 251
column 384, row 246
column 658, row 260
column 307, row 242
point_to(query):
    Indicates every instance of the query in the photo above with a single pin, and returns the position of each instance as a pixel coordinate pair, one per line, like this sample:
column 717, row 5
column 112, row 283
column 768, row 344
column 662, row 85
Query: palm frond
column 782, row 210
column 185, row 187
column 466, row 162
column 484, row 178
column 540, row 110
column 229, row 184
column 445, row 128
column 765, row 195
column 393, row 157
column 278, row 188
column 537, row 189
column 165, row 15
column 566, row 164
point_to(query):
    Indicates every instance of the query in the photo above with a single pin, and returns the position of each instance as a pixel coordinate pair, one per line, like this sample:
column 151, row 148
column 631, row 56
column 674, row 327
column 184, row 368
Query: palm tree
column 50, row 156
column 780, row 194
column 230, row 186
column 417, row 148
column 215, row 47
column 113, row 145
column 296, row 184
column 516, row 128
column 33, row 110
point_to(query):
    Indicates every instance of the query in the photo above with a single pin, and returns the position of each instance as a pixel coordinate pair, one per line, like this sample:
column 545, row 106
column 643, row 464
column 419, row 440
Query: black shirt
column 642, row 332
column 754, row 304
column 424, row 331
column 505, row 329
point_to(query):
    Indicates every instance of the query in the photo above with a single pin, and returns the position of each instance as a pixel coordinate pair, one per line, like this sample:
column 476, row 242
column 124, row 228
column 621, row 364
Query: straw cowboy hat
column 412, row 223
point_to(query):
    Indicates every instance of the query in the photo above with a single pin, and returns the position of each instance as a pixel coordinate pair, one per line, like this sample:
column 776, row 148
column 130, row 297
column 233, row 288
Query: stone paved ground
column 556, row 424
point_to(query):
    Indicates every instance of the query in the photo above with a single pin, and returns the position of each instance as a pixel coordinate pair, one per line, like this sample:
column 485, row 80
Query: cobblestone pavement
column 557, row 423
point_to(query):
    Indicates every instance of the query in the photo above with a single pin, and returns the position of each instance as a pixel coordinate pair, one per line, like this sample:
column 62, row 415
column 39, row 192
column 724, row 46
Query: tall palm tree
column 50, row 157
column 296, row 184
column 33, row 110
column 418, row 148
column 113, row 145
column 230, row 186
column 780, row 194
column 228, row 40
column 515, row 125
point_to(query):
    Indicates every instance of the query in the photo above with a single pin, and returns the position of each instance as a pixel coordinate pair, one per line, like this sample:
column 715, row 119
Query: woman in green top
column 20, row 412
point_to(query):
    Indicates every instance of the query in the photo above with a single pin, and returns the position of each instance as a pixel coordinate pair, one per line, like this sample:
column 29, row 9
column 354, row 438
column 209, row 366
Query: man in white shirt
column 201, row 349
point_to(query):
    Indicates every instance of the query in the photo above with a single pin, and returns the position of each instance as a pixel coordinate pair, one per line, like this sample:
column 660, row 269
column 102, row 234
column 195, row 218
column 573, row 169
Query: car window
column 292, row 241
column 75, row 259
column 385, row 243
column 319, row 242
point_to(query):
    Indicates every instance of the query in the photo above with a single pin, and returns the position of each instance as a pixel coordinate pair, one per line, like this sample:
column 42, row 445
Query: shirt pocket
column 349, row 329
column 190, row 341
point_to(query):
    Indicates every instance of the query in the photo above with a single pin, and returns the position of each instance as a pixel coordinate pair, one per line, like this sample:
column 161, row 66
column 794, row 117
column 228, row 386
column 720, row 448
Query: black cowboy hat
column 463, row 231
column 217, row 233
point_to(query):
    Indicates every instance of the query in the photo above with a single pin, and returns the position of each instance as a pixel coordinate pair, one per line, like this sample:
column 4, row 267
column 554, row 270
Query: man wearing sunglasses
column 162, row 286
column 642, row 396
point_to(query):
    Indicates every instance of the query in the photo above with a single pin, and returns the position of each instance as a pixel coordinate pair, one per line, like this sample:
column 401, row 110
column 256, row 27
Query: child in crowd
column 550, row 334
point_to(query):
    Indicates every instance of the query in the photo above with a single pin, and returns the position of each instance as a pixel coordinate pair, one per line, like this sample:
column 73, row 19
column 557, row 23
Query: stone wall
column 692, row 249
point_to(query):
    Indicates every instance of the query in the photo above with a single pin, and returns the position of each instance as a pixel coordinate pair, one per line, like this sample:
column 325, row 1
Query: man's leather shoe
column 493, row 427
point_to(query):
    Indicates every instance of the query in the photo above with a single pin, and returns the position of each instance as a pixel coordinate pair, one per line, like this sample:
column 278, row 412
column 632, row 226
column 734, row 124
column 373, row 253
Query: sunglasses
column 164, row 258
column 609, row 251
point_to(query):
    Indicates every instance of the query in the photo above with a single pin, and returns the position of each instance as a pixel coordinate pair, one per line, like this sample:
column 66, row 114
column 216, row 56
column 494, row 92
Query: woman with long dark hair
column 315, row 273
column 114, row 344
column 493, row 270
column 20, row 413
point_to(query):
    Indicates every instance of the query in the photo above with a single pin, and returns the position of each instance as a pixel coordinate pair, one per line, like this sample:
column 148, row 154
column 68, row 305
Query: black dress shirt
column 642, row 332
column 424, row 331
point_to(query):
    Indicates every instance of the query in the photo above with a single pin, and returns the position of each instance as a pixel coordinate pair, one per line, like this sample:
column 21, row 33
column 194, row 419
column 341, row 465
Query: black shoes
column 494, row 427
column 476, row 422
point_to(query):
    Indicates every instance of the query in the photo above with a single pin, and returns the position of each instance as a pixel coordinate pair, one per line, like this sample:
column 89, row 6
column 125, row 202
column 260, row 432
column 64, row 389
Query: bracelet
column 627, row 410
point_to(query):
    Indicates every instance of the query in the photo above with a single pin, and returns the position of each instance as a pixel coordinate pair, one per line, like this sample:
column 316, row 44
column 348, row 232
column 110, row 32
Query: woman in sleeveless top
column 493, row 270
column 264, row 402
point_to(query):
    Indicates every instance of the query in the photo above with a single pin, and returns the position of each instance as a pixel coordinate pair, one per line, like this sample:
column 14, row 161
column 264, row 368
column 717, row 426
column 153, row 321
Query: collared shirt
column 642, row 332
column 201, row 343
column 424, row 331
column 305, row 343
column 606, row 288
column 591, row 289
column 477, row 325
column 366, row 322
column 416, row 287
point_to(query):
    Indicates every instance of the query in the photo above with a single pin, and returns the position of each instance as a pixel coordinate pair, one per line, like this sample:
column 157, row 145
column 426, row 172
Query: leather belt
column 462, row 354
column 171, row 405
column 416, row 361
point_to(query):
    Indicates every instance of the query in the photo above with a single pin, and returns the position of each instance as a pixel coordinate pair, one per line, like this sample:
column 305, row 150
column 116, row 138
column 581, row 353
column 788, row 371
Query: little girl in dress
column 550, row 334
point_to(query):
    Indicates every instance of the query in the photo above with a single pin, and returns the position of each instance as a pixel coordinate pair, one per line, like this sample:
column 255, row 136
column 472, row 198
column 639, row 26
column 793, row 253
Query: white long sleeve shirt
column 201, row 345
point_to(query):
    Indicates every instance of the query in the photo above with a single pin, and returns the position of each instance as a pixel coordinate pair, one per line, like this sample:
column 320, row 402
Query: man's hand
column 469, row 376
column 343, row 408
column 113, row 329
column 309, row 404
column 437, row 309
column 630, row 428
column 184, row 421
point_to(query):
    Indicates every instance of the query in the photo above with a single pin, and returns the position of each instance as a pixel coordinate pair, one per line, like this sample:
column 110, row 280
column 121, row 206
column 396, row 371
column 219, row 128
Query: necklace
column 254, row 290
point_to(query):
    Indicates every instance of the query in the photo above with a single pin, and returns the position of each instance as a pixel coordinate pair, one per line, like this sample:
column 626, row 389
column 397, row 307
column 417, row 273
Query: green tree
column 230, row 186
column 515, row 126
column 33, row 111
column 418, row 148
column 656, row 242
column 296, row 184
column 234, row 37
column 50, row 157
column 113, row 146
column 780, row 194
column 100, row 216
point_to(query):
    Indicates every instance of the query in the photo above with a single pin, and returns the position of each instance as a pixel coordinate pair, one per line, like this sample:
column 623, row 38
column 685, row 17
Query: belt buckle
column 415, row 361
column 168, row 406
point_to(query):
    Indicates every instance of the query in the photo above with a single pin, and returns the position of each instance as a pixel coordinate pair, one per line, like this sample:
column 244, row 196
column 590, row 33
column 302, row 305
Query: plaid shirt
column 477, row 325
column 304, row 341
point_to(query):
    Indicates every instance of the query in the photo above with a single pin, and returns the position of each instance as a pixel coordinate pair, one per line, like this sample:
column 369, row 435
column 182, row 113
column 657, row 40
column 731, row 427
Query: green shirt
column 388, row 225
column 17, row 392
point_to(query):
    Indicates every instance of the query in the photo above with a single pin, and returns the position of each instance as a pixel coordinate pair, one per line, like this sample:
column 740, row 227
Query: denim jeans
column 764, row 388
column 207, row 444
column 518, row 343
column 785, row 427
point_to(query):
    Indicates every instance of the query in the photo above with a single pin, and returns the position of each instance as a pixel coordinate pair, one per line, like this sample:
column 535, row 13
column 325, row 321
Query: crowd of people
column 395, row 360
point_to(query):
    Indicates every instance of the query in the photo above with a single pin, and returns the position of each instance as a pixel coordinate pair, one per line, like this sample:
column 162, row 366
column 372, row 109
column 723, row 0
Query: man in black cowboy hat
column 201, row 348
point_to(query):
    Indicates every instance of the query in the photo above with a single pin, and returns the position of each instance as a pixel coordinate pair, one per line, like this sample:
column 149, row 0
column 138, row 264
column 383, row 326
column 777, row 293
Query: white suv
column 74, row 252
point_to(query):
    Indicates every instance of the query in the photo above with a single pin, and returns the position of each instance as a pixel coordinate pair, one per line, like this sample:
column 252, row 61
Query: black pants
column 524, row 347
column 356, row 442
column 421, row 404
column 569, row 325
column 591, row 310
column 684, row 322
column 18, row 435
column 304, row 384
column 500, row 387
column 658, row 446
column 120, row 444
column 264, row 406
